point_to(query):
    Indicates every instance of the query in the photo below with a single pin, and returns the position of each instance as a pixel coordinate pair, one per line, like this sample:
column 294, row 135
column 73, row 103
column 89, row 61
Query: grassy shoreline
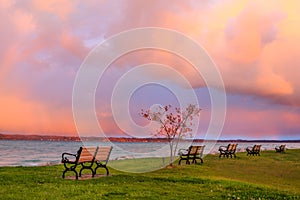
column 269, row 176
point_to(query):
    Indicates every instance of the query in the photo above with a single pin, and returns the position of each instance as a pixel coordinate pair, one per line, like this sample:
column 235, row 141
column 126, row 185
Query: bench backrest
column 282, row 147
column 193, row 150
column 103, row 154
column 234, row 147
column 200, row 150
column 256, row 148
column 231, row 148
column 196, row 150
column 86, row 154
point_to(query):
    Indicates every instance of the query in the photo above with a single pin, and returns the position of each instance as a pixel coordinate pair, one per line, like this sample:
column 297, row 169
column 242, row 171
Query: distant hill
column 37, row 137
column 70, row 138
column 112, row 139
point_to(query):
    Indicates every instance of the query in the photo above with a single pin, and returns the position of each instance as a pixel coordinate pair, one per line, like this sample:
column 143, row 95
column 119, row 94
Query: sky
column 254, row 44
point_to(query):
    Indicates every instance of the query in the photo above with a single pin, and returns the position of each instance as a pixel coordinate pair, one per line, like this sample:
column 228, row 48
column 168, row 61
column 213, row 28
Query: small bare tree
column 173, row 125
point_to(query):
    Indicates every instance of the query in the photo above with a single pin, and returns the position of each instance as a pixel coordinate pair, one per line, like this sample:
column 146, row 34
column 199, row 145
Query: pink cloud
column 62, row 8
column 260, row 124
column 21, row 116
column 255, row 44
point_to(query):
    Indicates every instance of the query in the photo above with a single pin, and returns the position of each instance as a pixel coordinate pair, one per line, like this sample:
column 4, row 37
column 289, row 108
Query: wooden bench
column 86, row 157
column 192, row 153
column 228, row 150
column 255, row 150
column 280, row 149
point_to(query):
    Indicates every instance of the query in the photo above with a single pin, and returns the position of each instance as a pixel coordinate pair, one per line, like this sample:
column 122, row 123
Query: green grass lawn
column 269, row 176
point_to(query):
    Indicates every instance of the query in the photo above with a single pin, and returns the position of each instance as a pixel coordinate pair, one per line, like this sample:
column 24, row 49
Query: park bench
column 255, row 150
column 280, row 149
column 192, row 153
column 228, row 150
column 86, row 157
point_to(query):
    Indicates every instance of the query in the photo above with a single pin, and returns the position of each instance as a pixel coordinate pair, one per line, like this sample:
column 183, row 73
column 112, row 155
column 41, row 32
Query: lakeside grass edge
column 269, row 176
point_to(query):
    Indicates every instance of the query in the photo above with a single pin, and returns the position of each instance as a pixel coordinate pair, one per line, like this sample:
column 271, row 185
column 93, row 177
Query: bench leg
column 80, row 172
column 63, row 175
column 187, row 162
column 76, row 174
column 64, row 172
column 195, row 160
column 179, row 161
column 107, row 172
column 71, row 168
column 102, row 166
column 86, row 167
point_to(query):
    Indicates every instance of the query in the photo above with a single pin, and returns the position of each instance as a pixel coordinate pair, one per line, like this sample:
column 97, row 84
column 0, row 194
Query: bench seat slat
column 85, row 159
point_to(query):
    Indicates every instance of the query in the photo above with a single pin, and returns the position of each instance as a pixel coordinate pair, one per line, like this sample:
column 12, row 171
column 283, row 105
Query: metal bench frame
column 255, row 150
column 86, row 157
column 280, row 149
column 228, row 150
column 193, row 153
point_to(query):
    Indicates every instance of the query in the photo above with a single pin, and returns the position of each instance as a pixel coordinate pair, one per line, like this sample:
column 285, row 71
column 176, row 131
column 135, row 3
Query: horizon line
column 78, row 138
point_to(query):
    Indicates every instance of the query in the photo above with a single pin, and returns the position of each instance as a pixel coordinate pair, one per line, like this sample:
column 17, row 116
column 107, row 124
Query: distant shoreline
column 116, row 139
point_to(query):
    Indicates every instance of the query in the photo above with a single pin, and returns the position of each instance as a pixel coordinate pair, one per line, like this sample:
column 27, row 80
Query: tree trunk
column 171, row 153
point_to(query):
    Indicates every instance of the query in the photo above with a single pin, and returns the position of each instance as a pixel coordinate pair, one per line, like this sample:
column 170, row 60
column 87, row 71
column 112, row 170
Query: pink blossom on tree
column 173, row 125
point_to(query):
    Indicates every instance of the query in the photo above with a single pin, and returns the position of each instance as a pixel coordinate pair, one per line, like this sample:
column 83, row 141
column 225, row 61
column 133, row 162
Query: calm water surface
column 33, row 153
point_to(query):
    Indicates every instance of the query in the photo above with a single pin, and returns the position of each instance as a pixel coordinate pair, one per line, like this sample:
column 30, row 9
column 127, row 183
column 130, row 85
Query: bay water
column 36, row 153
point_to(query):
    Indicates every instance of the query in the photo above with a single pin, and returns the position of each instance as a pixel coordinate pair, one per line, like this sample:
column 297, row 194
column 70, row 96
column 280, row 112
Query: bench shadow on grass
column 86, row 177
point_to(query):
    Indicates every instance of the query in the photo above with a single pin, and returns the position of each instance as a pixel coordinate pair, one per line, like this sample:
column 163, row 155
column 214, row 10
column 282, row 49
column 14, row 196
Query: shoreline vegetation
column 269, row 176
column 115, row 139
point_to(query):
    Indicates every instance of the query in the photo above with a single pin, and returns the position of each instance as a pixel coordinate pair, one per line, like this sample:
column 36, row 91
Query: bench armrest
column 249, row 149
column 183, row 152
column 66, row 157
column 222, row 148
